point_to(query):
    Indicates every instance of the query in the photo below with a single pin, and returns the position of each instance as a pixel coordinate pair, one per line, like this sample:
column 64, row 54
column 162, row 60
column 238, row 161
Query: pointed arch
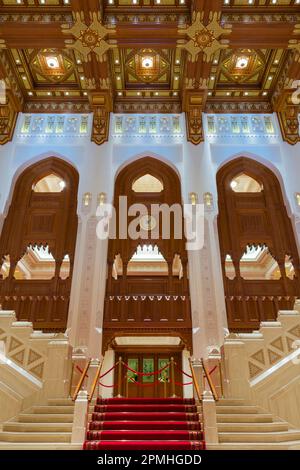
column 254, row 219
column 41, row 219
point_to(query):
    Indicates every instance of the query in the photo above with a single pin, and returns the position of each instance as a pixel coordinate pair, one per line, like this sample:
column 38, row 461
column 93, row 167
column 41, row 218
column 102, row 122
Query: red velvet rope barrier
column 182, row 371
column 110, row 370
column 146, row 374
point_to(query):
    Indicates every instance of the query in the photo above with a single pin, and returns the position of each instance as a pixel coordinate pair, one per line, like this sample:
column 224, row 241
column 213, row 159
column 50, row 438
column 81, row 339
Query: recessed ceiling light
column 233, row 184
column 49, row 93
column 176, row 78
column 67, row 93
column 116, row 61
column 30, row 93
column 78, row 61
column 24, row 77
column 175, row 93
column 156, row 93
column 265, row 93
column 147, row 62
column 228, row 93
column 270, row 77
column 52, row 62
column 242, row 62
column 246, row 93
column 85, row 93
column 118, row 78
column 139, row 93
column 212, row 77
column 177, row 61
column 209, row 93
column 120, row 93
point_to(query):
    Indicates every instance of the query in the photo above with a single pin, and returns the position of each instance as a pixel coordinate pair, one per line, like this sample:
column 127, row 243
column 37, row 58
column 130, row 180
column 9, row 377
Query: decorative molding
column 148, row 107
column 36, row 17
column 42, row 107
column 149, row 127
column 238, row 107
column 88, row 38
column 205, row 38
column 252, row 128
column 53, row 126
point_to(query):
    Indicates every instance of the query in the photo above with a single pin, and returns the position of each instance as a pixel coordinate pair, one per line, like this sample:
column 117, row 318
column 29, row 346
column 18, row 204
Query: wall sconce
column 101, row 199
column 87, row 199
column 193, row 197
column 297, row 197
column 208, row 200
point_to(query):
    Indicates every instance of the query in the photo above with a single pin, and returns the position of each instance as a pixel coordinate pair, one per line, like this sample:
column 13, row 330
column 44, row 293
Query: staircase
column 145, row 424
column 46, row 427
column 242, row 425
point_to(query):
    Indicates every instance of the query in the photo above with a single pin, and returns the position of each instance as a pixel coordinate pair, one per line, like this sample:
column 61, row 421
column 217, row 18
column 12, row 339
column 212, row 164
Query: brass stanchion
column 173, row 390
column 120, row 378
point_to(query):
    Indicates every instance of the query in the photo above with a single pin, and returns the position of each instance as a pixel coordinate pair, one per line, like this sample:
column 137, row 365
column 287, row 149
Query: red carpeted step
column 145, row 424
column 145, row 408
column 145, row 416
column 149, row 401
column 144, row 435
column 144, row 445
column 154, row 425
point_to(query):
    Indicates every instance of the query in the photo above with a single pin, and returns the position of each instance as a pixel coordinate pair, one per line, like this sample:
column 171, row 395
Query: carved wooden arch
column 170, row 195
column 41, row 219
column 255, row 218
column 153, row 305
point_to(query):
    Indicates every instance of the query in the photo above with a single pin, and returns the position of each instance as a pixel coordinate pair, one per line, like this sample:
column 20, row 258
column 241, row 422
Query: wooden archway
column 156, row 304
column 41, row 219
column 255, row 219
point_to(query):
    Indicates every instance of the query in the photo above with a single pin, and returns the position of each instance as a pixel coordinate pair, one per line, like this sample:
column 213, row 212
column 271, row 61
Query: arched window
column 147, row 260
column 147, row 184
column 49, row 184
column 258, row 263
column 245, row 184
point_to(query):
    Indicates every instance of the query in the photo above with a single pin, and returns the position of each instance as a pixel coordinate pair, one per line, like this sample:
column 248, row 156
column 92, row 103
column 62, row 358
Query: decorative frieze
column 148, row 127
column 54, row 125
column 250, row 127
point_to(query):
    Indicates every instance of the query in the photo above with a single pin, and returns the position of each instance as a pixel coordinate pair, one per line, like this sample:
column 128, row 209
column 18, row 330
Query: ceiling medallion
column 88, row 39
column 205, row 38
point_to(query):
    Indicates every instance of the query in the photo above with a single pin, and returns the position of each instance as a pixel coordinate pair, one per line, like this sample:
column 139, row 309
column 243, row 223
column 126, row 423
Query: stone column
column 108, row 363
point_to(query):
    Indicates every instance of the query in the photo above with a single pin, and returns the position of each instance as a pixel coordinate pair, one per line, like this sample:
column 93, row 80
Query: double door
column 150, row 375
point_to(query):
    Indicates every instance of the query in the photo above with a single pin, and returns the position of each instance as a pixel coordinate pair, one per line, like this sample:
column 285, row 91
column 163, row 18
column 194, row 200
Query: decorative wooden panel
column 150, row 304
column 255, row 218
column 40, row 219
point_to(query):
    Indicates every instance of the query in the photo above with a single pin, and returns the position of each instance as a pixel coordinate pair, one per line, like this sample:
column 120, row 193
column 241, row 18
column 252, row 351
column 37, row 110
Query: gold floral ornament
column 205, row 38
column 88, row 38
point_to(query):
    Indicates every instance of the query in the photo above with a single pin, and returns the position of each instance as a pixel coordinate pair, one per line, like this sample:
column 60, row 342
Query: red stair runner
column 145, row 424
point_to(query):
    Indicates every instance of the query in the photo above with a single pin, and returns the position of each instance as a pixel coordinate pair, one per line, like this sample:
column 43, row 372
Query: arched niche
column 40, row 219
column 255, row 218
column 158, row 299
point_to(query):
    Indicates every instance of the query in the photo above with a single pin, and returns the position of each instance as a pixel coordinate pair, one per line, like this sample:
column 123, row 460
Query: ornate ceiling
column 150, row 56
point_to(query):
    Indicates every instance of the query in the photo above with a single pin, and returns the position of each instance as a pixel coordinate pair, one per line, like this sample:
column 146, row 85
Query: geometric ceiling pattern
column 152, row 56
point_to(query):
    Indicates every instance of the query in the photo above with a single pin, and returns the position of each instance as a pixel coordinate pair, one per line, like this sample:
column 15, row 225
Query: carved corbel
column 101, row 105
column 288, row 116
column 8, row 118
column 193, row 104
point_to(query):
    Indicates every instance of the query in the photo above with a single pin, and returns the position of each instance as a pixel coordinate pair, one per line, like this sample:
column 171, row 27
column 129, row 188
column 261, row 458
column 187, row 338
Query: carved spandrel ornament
column 88, row 38
column 203, row 38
